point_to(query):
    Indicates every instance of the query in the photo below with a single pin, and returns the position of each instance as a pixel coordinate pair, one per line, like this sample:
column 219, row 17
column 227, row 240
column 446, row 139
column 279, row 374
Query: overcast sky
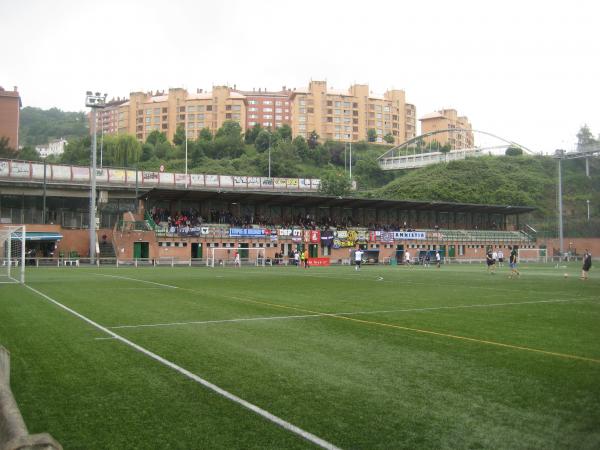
column 526, row 71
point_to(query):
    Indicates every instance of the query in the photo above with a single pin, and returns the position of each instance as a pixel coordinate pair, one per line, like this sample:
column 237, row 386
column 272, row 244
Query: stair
column 106, row 250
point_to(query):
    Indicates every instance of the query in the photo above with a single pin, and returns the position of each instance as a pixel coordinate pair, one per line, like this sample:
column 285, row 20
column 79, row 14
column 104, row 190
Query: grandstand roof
column 315, row 200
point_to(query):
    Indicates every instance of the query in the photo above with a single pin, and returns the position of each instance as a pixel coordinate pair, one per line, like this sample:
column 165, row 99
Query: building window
column 267, row 102
column 156, row 110
column 254, row 108
column 252, row 102
column 301, row 118
column 182, row 109
column 191, row 108
column 267, row 109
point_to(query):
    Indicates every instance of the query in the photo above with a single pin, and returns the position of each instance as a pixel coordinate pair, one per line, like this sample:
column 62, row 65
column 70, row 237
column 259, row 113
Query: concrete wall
column 13, row 431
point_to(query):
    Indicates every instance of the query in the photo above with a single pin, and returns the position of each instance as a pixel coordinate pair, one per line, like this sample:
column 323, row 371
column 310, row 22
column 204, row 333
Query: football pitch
column 287, row 358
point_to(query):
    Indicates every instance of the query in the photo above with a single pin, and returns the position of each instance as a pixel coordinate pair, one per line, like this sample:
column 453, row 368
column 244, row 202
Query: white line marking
column 433, row 308
column 134, row 279
column 103, row 338
column 214, row 321
column 256, row 409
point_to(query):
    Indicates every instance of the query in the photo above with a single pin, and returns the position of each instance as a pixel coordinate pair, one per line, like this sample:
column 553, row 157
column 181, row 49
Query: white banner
column 60, row 173
column 212, row 180
column 81, row 173
column 253, row 182
column 181, row 178
column 197, row 179
column 149, row 177
column 37, row 171
column 166, row 178
column 226, row 181
column 116, row 175
column 4, row 168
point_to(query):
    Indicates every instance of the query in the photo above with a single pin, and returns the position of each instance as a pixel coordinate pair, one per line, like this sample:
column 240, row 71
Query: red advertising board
column 318, row 261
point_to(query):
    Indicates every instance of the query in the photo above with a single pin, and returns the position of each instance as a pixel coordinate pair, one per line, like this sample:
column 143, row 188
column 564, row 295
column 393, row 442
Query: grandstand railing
column 13, row 170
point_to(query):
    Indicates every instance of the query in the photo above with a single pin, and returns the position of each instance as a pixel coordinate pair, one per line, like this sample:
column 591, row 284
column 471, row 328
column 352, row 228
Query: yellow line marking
column 434, row 333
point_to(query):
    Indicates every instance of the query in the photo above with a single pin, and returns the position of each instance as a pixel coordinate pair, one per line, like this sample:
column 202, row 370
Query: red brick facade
column 10, row 105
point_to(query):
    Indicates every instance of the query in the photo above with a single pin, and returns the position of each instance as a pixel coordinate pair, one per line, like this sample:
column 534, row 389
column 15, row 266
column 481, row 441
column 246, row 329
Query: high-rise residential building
column 10, row 107
column 335, row 115
column 459, row 131
column 349, row 115
column 268, row 109
column 145, row 112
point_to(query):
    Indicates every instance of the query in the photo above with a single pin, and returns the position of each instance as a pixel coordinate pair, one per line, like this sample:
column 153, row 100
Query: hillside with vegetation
column 38, row 126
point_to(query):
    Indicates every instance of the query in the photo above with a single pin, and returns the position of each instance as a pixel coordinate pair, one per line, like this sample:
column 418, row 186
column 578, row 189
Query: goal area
column 226, row 257
column 533, row 255
column 12, row 254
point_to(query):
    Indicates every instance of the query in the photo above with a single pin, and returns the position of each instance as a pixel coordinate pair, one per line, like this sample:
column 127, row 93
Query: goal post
column 225, row 257
column 533, row 255
column 12, row 254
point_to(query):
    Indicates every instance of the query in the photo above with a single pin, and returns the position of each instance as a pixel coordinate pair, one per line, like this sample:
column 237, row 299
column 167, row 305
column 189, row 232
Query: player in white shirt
column 358, row 254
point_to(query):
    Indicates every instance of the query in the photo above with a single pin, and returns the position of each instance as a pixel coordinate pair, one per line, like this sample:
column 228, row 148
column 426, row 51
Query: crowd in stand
column 178, row 220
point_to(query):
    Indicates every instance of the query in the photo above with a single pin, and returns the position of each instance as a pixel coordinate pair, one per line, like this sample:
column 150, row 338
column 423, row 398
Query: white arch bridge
column 413, row 153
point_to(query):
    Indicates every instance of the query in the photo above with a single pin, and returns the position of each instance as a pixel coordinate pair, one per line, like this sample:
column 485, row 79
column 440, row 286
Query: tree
column 5, row 150
column 179, row 136
column 155, row 138
column 284, row 132
column 371, row 135
column 77, row 151
column 28, row 153
column 263, row 140
column 313, row 140
column 230, row 129
column 252, row 133
column 585, row 138
column 335, row 182
column 389, row 138
column 513, row 150
column 301, row 147
column 205, row 135
column 123, row 150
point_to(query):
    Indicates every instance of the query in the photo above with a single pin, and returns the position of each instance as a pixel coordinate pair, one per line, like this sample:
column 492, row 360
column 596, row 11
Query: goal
column 12, row 254
column 533, row 255
column 225, row 257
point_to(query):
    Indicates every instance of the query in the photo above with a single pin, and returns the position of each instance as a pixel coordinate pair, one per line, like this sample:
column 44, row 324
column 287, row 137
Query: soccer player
column 438, row 259
column 513, row 260
column 236, row 259
column 358, row 253
column 489, row 259
column 500, row 258
column 407, row 258
column 587, row 264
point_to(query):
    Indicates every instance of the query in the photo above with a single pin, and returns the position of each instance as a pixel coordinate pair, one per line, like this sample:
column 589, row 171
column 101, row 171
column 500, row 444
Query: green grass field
column 384, row 358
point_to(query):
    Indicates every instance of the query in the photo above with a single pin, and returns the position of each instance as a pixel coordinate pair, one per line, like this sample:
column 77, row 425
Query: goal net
column 226, row 257
column 12, row 254
column 533, row 255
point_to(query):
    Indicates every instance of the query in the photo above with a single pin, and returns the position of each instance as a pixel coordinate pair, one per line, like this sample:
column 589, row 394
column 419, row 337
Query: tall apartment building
column 348, row 115
column 145, row 112
column 10, row 107
column 459, row 128
column 341, row 116
column 268, row 109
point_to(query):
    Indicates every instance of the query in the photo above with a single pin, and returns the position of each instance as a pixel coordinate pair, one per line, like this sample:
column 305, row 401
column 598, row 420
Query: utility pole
column 559, row 154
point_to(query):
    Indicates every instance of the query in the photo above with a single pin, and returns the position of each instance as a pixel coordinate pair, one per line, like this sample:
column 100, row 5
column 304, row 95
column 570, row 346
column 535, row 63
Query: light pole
column 186, row 150
column 588, row 210
column 93, row 101
column 560, row 154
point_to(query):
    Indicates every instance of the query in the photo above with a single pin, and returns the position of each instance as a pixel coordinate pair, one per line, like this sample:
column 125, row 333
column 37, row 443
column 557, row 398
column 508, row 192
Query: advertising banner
column 253, row 182
column 266, row 182
column 280, row 183
column 327, row 238
column 197, row 179
column 130, row 174
column 316, row 262
column 292, row 183
column 102, row 175
column 304, row 183
column 249, row 232
column 182, row 178
column 211, row 180
column 240, row 182
column 116, row 175
column 3, row 168
column 149, row 177
column 409, row 235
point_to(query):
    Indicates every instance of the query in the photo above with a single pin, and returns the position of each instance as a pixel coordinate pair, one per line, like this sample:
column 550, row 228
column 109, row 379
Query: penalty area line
column 213, row 387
